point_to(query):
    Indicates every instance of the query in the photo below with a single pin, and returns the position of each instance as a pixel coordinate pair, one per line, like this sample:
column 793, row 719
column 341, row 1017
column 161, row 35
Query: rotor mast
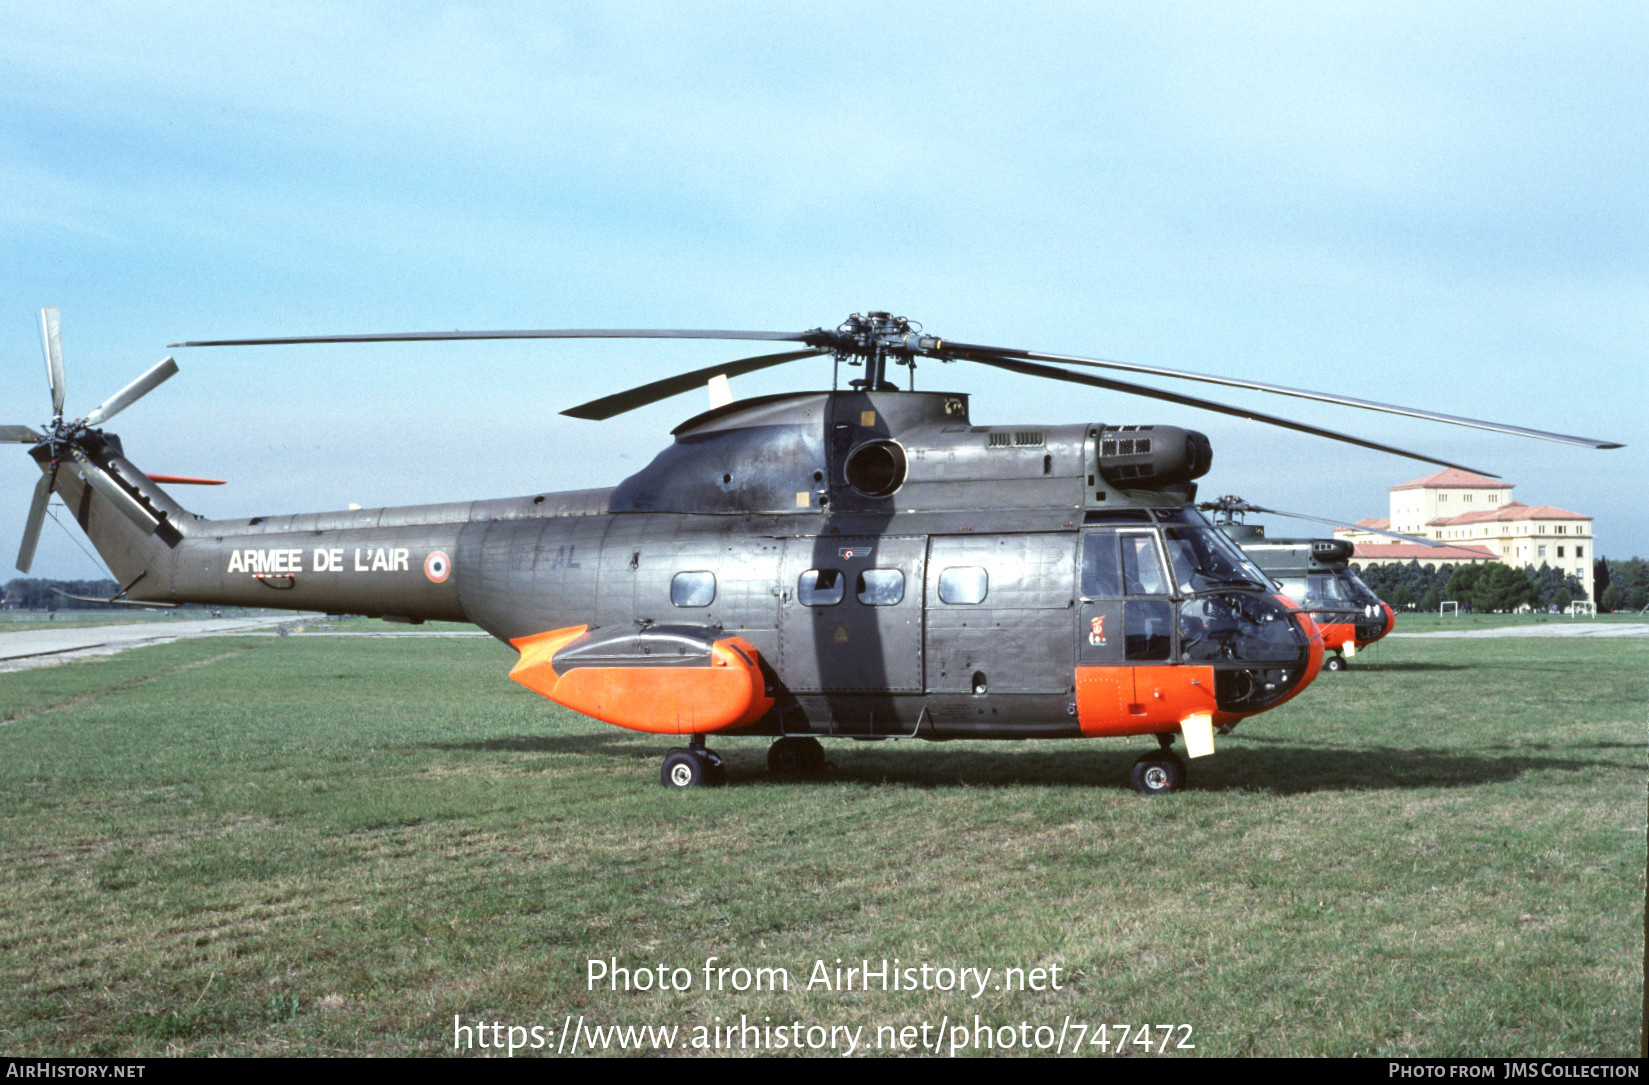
column 872, row 340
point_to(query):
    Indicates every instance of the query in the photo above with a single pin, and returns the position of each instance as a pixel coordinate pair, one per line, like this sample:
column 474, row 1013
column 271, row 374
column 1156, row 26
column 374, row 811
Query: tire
column 795, row 754
column 1334, row 663
column 1158, row 773
column 683, row 769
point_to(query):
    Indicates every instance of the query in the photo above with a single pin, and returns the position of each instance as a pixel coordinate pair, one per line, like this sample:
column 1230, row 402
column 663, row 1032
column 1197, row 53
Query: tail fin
column 133, row 523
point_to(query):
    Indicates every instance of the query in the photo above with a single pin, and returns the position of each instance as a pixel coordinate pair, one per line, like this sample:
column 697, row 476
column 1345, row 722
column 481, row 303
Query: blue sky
column 1437, row 205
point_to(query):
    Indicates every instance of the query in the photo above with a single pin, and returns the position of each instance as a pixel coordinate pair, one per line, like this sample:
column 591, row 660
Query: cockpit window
column 1295, row 588
column 1101, row 569
column 1141, row 567
column 1360, row 592
column 1205, row 559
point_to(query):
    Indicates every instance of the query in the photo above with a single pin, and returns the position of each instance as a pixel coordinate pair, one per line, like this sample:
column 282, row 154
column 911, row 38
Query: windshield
column 1205, row 559
column 1360, row 592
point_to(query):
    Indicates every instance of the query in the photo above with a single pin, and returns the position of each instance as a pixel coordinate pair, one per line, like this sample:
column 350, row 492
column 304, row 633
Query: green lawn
column 311, row 845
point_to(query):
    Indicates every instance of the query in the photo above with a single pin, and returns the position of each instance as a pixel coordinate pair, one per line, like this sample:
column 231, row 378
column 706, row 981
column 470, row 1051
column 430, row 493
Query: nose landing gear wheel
column 795, row 754
column 1158, row 773
column 694, row 767
column 1334, row 663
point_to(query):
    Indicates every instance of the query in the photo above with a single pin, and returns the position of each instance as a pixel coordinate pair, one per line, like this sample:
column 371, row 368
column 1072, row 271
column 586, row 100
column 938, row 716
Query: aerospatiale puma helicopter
column 1316, row 574
column 864, row 562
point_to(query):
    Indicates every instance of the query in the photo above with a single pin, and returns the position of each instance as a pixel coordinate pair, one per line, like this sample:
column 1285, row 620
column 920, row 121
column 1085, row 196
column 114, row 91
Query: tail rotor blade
column 52, row 339
column 18, row 435
column 132, row 392
column 37, row 516
column 101, row 481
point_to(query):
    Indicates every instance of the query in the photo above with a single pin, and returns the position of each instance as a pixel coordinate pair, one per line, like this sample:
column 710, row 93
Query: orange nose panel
column 1141, row 700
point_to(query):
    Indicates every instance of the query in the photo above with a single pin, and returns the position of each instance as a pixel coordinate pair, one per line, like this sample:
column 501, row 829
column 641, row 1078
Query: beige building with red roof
column 1481, row 522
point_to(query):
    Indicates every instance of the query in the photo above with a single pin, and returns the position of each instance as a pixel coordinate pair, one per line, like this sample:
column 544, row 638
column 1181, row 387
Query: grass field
column 310, row 845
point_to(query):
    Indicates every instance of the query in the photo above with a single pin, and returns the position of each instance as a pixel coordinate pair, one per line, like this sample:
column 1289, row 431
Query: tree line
column 27, row 593
column 1618, row 585
column 1621, row 585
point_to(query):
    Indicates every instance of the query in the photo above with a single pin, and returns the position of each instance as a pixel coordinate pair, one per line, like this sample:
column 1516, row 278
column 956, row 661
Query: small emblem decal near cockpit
column 850, row 552
column 1096, row 630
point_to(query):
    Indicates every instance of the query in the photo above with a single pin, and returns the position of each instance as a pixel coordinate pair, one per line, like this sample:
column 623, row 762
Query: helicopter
column 1315, row 573
column 863, row 562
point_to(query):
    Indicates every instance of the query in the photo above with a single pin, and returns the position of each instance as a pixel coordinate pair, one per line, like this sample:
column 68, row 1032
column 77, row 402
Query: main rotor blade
column 550, row 333
column 965, row 350
column 607, row 406
column 52, row 339
column 18, row 435
column 1341, row 523
column 1034, row 370
column 104, row 483
column 37, row 515
column 132, row 392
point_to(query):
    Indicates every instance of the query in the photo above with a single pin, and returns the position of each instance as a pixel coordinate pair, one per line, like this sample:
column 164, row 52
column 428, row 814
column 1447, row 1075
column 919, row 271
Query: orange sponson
column 1142, row 700
column 729, row 693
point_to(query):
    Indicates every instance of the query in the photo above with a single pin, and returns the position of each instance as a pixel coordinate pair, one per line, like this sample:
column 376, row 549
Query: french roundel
column 437, row 566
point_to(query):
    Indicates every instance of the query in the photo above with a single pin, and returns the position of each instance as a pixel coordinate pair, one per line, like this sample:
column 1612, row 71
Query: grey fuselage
column 825, row 529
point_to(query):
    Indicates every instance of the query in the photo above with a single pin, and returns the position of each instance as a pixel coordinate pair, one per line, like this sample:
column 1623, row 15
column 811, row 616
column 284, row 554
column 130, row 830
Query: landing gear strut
column 1158, row 773
column 694, row 766
column 795, row 754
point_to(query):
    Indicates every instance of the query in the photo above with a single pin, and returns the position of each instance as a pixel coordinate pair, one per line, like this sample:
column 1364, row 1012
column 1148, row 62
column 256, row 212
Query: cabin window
column 820, row 587
column 697, row 589
column 881, row 587
column 963, row 585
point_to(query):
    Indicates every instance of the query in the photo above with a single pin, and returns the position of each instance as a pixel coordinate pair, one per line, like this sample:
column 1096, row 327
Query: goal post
column 1448, row 606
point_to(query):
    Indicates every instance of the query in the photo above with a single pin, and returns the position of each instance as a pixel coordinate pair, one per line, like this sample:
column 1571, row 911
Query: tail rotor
column 78, row 443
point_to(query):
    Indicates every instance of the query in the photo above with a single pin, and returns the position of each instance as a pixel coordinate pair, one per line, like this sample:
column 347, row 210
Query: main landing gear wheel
column 1334, row 663
column 795, row 754
column 1158, row 773
column 693, row 767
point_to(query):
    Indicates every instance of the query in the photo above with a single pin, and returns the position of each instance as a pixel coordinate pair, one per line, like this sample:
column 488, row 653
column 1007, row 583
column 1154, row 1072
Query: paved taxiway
column 42, row 647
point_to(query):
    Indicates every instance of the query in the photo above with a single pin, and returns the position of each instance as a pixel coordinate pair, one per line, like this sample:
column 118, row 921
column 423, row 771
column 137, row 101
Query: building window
column 1560, row 551
column 1466, row 498
column 1580, row 551
column 1540, row 551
